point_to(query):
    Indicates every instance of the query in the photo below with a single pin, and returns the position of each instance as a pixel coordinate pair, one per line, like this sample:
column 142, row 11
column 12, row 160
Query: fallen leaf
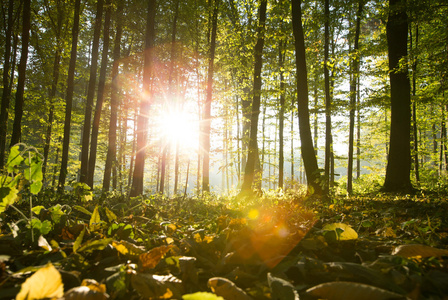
column 351, row 291
column 150, row 259
column 413, row 250
column 281, row 289
column 45, row 283
column 226, row 289
column 347, row 233
column 202, row 296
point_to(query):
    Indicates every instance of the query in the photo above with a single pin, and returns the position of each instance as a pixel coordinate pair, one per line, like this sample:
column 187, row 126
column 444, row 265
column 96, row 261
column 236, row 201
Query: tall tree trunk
column 6, row 96
column 111, row 158
column 142, row 121
column 208, row 105
column 308, row 154
column 90, row 93
column 414, row 106
column 399, row 160
column 252, row 157
column 69, row 97
column 281, row 119
column 353, row 82
column 99, row 97
column 328, row 142
column 18, row 109
column 358, row 131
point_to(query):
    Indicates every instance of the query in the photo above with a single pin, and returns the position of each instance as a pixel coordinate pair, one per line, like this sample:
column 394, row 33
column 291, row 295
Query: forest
column 224, row 149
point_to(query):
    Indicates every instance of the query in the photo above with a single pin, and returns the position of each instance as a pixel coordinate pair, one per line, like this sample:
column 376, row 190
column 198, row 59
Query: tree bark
column 252, row 157
column 69, row 97
column 328, row 137
column 90, row 93
column 399, row 160
column 308, row 154
column 145, row 102
column 354, row 80
column 281, row 119
column 6, row 96
column 99, row 97
column 18, row 109
column 111, row 158
column 208, row 105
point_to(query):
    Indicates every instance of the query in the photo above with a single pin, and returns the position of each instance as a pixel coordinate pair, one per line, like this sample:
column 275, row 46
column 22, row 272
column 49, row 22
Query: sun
column 180, row 126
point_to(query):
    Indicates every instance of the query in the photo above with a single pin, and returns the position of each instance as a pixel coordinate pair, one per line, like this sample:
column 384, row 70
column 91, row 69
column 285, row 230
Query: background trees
column 153, row 145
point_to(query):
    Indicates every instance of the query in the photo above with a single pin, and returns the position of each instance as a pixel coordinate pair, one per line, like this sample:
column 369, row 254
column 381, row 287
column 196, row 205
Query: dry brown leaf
column 351, row 291
column 226, row 289
column 45, row 283
column 84, row 293
column 150, row 259
column 414, row 250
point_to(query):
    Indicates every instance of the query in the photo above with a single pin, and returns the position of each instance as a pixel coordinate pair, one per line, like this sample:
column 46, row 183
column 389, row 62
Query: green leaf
column 14, row 158
column 8, row 195
column 78, row 240
column 37, row 209
column 110, row 215
column 94, row 245
column 82, row 209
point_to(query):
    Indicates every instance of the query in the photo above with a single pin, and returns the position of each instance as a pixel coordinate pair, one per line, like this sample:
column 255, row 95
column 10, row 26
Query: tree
column 252, row 157
column 99, row 97
column 91, row 92
column 208, row 105
column 145, row 101
column 69, row 96
column 399, row 159
column 18, row 109
column 307, row 148
column 6, row 95
column 353, row 83
column 114, row 102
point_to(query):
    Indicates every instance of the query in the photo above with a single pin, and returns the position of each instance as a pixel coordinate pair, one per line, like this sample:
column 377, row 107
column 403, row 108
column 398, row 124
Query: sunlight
column 178, row 125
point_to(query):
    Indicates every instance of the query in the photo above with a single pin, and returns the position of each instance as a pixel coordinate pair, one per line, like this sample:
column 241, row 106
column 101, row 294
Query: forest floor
column 273, row 247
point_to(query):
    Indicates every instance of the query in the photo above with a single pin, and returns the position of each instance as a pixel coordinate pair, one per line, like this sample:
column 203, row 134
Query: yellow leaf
column 45, row 283
column 94, row 285
column 389, row 232
column 95, row 220
column 127, row 248
column 43, row 243
column 347, row 233
column 150, row 259
column 414, row 250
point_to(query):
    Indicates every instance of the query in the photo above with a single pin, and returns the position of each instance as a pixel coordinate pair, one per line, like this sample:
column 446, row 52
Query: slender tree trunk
column 249, row 171
column 354, row 80
column 99, row 96
column 358, row 132
column 18, row 109
column 208, row 105
column 399, row 160
column 308, row 154
column 281, row 119
column 414, row 107
column 292, row 143
column 90, row 93
column 6, row 96
column 111, row 158
column 69, row 97
column 142, row 121
column 328, row 144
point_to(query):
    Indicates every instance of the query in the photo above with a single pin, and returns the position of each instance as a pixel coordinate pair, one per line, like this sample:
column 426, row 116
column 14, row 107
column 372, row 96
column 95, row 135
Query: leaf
column 343, row 231
column 84, row 293
column 95, row 220
column 14, row 158
column 127, row 248
column 82, row 209
column 78, row 240
column 8, row 195
column 34, row 175
column 156, row 286
column 150, row 259
column 110, row 215
column 43, row 243
column 201, row 296
column 413, row 250
column 45, row 283
column 226, row 289
column 281, row 289
column 90, row 246
column 351, row 291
